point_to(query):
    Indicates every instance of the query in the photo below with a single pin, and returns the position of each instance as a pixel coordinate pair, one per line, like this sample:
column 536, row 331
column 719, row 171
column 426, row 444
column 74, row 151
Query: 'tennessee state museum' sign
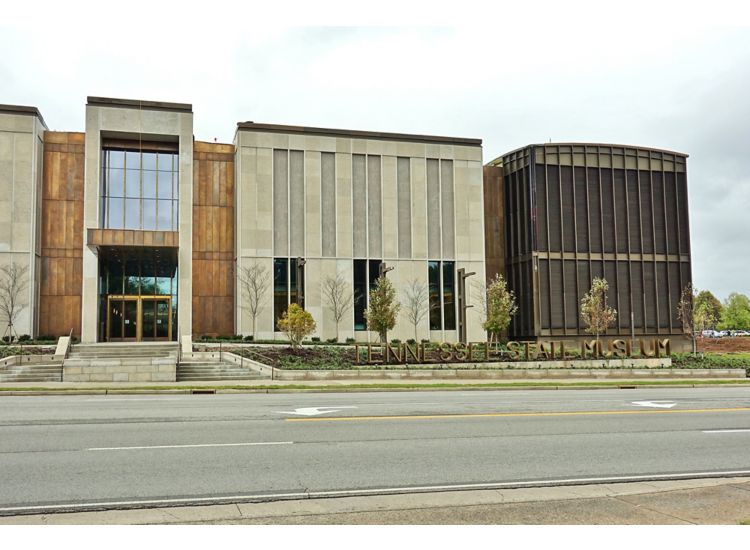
column 514, row 351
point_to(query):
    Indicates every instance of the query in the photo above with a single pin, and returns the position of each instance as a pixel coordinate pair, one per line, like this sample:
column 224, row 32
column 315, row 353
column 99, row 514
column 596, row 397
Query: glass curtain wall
column 285, row 287
column 137, row 288
column 442, row 291
column 366, row 273
column 139, row 190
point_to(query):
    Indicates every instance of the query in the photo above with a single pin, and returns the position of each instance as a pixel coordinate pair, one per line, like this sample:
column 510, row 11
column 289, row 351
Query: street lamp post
column 383, row 269
column 300, row 282
column 462, row 305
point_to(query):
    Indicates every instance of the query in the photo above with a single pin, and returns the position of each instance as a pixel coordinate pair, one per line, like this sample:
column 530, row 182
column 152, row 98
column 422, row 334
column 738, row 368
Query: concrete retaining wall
column 611, row 369
column 510, row 374
column 158, row 370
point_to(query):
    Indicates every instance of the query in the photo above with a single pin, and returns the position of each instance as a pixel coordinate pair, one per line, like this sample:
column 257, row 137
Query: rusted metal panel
column 61, row 276
column 213, row 239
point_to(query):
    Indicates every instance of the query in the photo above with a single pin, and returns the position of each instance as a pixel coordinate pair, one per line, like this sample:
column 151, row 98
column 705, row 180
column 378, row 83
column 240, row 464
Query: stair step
column 30, row 378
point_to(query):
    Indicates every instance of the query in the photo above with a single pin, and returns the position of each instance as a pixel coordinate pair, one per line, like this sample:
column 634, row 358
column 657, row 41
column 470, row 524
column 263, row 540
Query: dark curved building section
column 576, row 211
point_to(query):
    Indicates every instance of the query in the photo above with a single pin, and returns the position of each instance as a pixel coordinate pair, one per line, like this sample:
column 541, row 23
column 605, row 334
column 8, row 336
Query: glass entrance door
column 130, row 328
column 137, row 318
column 156, row 318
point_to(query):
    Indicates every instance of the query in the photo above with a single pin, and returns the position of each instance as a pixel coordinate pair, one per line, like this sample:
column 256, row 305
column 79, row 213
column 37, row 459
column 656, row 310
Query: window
column 285, row 286
column 366, row 273
column 139, row 189
column 442, row 290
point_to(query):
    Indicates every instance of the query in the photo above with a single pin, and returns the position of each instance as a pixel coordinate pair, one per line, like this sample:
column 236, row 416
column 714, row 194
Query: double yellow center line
column 510, row 415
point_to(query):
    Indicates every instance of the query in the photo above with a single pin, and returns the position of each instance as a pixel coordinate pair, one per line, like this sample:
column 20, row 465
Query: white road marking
column 191, row 446
column 363, row 492
column 729, row 431
column 314, row 411
column 655, row 404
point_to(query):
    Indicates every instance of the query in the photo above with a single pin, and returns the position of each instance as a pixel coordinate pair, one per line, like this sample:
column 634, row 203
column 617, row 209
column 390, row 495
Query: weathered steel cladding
column 576, row 211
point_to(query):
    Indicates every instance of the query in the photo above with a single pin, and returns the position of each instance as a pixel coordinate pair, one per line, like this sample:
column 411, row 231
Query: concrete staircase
column 122, row 362
column 126, row 351
column 32, row 372
column 204, row 371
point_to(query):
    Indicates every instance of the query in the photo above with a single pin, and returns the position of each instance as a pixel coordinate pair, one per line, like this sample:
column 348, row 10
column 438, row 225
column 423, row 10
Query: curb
column 208, row 390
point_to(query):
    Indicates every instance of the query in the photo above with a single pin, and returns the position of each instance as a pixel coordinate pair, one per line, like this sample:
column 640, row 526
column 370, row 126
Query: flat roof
column 22, row 110
column 498, row 160
column 139, row 104
column 363, row 134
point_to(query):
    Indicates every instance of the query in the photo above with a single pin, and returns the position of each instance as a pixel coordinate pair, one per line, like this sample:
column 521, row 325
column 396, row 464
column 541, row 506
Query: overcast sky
column 671, row 86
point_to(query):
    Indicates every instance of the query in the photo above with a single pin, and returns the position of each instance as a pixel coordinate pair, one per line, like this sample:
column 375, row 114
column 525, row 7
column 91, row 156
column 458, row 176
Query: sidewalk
column 269, row 386
column 701, row 501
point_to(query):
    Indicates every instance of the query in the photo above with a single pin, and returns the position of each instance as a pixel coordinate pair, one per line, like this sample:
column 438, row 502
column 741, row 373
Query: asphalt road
column 86, row 452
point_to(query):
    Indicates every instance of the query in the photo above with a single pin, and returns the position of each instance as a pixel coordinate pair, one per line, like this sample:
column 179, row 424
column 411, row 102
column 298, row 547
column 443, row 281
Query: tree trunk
column 384, row 337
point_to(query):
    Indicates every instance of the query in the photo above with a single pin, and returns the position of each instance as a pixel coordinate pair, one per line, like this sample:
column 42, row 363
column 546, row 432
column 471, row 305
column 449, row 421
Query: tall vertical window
column 442, row 291
column 285, row 287
column 139, row 189
column 366, row 273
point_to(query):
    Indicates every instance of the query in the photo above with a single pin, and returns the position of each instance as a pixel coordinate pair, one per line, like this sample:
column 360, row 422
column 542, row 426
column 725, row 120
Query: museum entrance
column 137, row 294
column 139, row 318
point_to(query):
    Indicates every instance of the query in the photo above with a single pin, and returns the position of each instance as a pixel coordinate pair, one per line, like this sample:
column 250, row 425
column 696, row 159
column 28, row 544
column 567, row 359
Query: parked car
column 708, row 333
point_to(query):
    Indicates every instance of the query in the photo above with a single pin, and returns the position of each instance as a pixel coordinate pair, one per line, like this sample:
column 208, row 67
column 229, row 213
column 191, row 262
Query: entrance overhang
column 102, row 238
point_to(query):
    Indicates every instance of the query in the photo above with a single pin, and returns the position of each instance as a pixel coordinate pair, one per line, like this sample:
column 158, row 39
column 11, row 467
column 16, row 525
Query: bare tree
column 338, row 297
column 254, row 282
column 13, row 282
column 687, row 315
column 416, row 303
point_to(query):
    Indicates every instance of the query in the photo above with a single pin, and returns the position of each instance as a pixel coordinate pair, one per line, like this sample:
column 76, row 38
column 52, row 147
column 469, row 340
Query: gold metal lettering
column 646, row 352
column 459, row 351
column 619, row 348
column 446, row 352
column 414, row 352
column 390, row 352
column 590, row 347
column 662, row 346
column 514, row 350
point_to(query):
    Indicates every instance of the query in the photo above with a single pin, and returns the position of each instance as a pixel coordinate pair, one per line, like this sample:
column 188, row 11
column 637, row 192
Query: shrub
column 411, row 341
column 395, row 341
column 350, row 340
column 315, row 339
column 297, row 323
column 332, row 341
column 249, row 338
column 24, row 338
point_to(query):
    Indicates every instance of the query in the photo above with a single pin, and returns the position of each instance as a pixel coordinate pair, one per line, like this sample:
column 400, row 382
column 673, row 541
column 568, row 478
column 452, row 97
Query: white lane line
column 191, row 446
column 389, row 490
column 728, row 431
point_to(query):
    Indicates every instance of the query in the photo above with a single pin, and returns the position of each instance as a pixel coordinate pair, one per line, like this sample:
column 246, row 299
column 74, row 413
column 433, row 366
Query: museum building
column 135, row 231
column 560, row 214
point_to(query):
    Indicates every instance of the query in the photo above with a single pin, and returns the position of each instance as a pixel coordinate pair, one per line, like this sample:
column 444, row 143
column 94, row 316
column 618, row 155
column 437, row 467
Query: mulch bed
column 724, row 345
